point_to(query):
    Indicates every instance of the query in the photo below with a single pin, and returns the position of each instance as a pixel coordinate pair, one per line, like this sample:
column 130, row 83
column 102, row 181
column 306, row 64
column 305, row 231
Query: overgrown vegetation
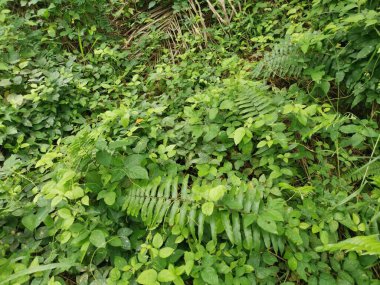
column 189, row 142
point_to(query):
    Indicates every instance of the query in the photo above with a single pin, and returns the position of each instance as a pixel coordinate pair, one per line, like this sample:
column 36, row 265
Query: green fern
column 364, row 245
column 283, row 60
column 357, row 174
column 287, row 60
column 236, row 215
column 253, row 103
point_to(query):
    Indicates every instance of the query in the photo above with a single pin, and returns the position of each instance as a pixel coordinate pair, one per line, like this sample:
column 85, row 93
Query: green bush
column 189, row 142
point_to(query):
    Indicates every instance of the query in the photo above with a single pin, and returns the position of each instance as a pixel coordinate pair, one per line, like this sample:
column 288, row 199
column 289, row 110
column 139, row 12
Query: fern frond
column 253, row 104
column 170, row 26
column 284, row 60
column 287, row 60
column 357, row 174
column 364, row 245
column 169, row 201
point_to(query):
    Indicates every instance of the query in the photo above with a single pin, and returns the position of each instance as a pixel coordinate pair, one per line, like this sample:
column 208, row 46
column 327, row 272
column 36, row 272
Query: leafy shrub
column 150, row 163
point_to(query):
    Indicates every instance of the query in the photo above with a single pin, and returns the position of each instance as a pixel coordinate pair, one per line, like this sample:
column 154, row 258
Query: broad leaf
column 97, row 238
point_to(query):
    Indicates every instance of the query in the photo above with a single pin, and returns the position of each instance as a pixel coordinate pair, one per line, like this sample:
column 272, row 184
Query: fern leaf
column 252, row 104
column 236, row 212
column 365, row 245
column 357, row 174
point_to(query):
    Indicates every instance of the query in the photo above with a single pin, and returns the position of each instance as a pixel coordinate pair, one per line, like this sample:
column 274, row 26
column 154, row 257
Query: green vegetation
column 189, row 142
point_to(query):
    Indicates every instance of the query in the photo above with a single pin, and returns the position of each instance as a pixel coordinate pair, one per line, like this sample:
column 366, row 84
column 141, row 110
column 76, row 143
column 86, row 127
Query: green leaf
column 165, row 252
column 103, row 158
column 267, row 224
column 324, row 237
column 208, row 208
column 216, row 193
column 261, row 144
column 15, row 100
column 269, row 258
column 5, row 82
column 40, row 268
column 212, row 113
column 361, row 244
column 75, row 193
column 212, row 132
column 151, row 4
column 119, row 144
column 166, row 276
column 356, row 140
column 273, row 214
column 64, row 213
column 137, row 172
column 132, row 160
column 302, row 118
column 147, row 277
column 294, row 235
column 158, row 241
column 339, row 76
column 248, row 219
column 30, row 222
column 317, row 75
column 350, row 129
column 292, row 263
column 109, row 198
column 85, row 200
column 325, row 86
column 210, row 276
column 288, row 109
column 115, row 274
column 189, row 261
column 203, row 169
column 3, row 66
column 355, row 18
column 97, row 238
column 226, row 105
column 239, row 135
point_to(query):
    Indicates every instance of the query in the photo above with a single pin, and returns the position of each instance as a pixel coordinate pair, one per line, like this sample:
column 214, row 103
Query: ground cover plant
column 189, row 142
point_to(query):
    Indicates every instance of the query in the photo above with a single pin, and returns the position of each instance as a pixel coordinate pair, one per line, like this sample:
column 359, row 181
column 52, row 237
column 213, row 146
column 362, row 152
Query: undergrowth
column 189, row 142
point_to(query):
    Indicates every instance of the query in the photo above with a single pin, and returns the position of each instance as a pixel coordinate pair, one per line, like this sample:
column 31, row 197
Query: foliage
column 189, row 142
column 361, row 244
